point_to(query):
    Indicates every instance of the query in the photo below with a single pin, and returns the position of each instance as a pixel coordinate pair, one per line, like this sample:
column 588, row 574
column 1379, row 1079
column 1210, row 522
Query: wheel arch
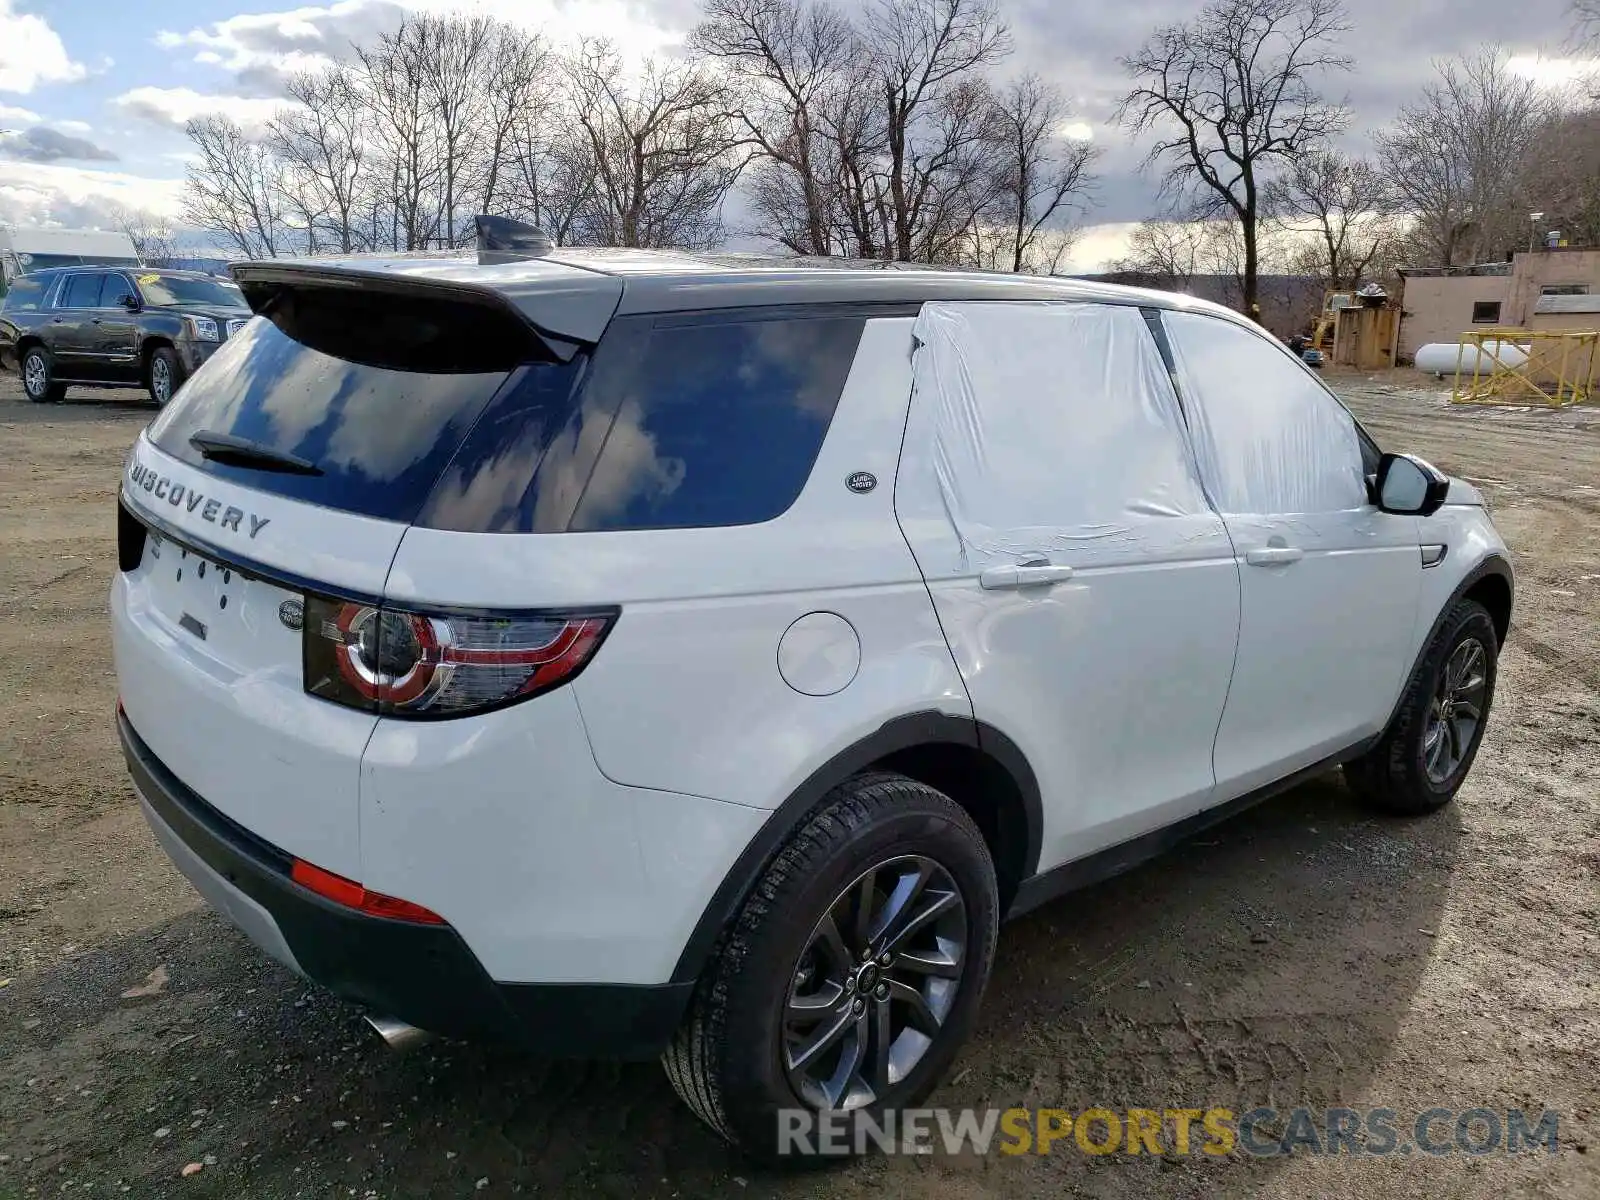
column 1491, row 583
column 147, row 351
column 976, row 765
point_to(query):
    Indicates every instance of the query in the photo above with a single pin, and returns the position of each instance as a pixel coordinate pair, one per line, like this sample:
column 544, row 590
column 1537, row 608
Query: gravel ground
column 1304, row 953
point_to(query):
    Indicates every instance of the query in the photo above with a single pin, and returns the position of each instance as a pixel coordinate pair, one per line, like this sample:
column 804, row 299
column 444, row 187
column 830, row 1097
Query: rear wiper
column 242, row 452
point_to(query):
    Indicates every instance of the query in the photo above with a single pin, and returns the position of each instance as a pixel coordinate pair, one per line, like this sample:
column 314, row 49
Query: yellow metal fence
column 1526, row 367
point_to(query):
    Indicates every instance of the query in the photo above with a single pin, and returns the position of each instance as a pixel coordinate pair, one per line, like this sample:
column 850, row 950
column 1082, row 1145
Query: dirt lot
column 1303, row 954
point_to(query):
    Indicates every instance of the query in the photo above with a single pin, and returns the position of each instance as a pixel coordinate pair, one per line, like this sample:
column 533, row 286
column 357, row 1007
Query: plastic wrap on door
column 1054, row 427
column 1268, row 437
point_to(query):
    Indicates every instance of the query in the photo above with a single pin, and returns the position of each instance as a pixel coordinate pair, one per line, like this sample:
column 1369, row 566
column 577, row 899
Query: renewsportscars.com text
column 1258, row 1132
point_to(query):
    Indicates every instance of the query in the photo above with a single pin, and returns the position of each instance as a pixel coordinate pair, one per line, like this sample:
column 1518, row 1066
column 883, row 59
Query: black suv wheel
column 38, row 377
column 852, row 975
column 1429, row 747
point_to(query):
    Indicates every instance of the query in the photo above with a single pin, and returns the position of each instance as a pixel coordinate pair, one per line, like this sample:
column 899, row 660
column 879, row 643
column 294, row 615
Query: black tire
column 163, row 359
column 39, row 383
column 728, row 1061
column 1395, row 776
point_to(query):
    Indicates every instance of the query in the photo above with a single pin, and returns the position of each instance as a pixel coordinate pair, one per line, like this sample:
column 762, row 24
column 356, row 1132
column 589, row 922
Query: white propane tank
column 1440, row 358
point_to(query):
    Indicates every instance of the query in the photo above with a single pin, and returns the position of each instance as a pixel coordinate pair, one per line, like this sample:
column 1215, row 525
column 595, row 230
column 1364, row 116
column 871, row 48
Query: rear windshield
column 380, row 437
column 678, row 422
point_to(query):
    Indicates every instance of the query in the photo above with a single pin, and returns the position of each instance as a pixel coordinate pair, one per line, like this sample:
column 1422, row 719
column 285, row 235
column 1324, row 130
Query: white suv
column 633, row 654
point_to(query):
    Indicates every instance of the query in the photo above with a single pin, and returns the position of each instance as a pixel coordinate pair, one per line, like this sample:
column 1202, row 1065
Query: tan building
column 1539, row 290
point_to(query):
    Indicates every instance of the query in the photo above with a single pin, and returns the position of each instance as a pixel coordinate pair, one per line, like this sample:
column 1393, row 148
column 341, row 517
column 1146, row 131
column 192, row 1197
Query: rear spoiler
column 564, row 307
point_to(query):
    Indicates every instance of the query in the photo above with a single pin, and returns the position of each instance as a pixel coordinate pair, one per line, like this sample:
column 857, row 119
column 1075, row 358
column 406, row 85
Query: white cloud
column 31, row 53
column 1078, row 131
column 79, row 197
column 315, row 35
column 1553, row 72
column 81, row 128
column 177, row 106
column 10, row 115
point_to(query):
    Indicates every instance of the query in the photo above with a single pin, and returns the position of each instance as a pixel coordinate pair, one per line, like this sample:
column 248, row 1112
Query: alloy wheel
column 36, row 375
column 875, row 983
column 160, row 380
column 1456, row 710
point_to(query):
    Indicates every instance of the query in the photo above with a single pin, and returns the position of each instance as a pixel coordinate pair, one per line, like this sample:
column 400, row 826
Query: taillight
column 351, row 894
column 411, row 664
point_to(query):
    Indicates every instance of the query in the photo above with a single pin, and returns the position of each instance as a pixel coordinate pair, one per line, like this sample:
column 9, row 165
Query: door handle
column 1273, row 556
column 1022, row 575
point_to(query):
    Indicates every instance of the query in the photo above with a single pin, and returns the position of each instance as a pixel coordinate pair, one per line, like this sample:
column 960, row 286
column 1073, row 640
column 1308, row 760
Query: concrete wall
column 1439, row 308
column 1530, row 272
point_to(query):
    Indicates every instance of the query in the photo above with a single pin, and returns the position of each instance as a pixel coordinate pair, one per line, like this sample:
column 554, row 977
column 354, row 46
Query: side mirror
column 131, row 303
column 1409, row 486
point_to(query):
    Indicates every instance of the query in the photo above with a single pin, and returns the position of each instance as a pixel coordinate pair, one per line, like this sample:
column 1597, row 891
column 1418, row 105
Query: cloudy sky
column 94, row 93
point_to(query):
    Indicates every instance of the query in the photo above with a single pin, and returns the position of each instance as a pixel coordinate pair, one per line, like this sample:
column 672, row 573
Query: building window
column 1485, row 312
column 1564, row 289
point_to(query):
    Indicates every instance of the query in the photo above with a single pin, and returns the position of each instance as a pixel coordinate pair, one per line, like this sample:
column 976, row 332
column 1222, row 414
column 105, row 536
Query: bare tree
column 1167, row 253
column 787, row 61
column 1045, row 176
column 519, row 100
column 235, row 190
column 1455, row 158
column 321, row 136
column 405, row 188
column 925, row 56
column 662, row 150
column 1233, row 95
column 1561, row 175
column 1345, row 203
column 154, row 238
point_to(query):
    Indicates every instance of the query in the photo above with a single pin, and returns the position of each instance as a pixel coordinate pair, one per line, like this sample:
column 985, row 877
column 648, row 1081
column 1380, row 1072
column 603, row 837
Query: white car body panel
column 1324, row 644
column 694, row 655
column 228, row 714
column 552, row 873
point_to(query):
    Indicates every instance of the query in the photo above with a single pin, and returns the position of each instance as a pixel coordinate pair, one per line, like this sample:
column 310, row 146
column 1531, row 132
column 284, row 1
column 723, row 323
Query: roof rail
column 503, row 240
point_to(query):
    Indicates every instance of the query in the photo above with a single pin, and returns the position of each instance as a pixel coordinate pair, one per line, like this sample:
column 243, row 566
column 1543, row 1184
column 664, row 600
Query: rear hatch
column 277, row 483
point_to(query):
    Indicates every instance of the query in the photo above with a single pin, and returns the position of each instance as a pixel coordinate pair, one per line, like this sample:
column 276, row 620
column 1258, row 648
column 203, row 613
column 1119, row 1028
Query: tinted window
column 83, row 291
column 380, row 436
column 162, row 291
column 719, row 423
column 24, row 295
column 1269, row 438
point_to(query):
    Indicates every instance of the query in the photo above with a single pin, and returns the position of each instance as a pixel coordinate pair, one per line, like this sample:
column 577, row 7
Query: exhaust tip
column 397, row 1034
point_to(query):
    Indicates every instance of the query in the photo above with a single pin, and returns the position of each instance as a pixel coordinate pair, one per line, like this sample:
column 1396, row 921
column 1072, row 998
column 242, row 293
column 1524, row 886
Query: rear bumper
column 424, row 975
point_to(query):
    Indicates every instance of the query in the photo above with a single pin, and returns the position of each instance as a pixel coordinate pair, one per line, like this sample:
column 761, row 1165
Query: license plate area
column 214, row 608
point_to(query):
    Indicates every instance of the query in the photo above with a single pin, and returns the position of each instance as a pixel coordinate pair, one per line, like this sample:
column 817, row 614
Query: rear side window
column 83, row 291
column 380, row 437
column 720, row 422
column 24, row 296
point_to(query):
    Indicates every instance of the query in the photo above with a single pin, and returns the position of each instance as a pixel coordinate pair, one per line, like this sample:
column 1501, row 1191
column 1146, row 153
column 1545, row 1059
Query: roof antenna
column 503, row 240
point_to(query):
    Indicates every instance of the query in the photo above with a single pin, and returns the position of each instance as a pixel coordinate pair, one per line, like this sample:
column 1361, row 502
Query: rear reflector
column 350, row 894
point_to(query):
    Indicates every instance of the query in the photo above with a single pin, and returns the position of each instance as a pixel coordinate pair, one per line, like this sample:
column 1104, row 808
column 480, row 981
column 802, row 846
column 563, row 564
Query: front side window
column 1053, row 427
column 82, row 291
column 1268, row 436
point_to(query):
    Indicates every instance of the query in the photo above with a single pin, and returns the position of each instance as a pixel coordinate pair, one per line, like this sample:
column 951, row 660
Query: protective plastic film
column 1053, row 428
column 1268, row 437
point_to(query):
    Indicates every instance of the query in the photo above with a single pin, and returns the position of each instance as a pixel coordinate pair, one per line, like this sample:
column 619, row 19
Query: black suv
column 114, row 327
